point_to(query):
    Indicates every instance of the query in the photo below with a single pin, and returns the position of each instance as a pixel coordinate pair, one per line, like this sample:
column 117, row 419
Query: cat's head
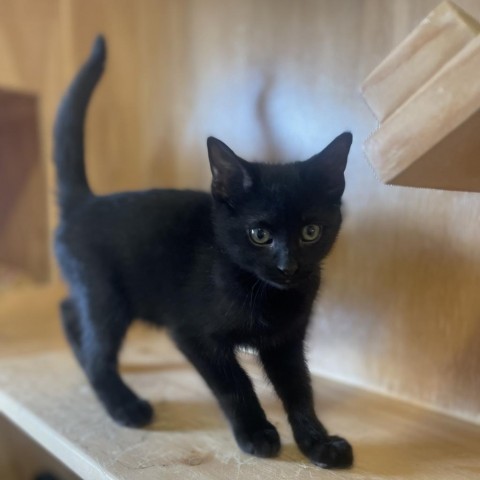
column 278, row 221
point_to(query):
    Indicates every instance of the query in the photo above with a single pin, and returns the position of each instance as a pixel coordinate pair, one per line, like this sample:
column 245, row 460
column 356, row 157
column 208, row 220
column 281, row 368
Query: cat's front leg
column 287, row 369
column 234, row 391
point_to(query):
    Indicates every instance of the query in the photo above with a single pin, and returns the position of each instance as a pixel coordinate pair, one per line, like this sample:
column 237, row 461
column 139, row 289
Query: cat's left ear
column 330, row 164
column 230, row 176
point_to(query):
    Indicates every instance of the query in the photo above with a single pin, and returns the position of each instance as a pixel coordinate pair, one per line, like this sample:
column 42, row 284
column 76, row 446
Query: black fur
column 187, row 260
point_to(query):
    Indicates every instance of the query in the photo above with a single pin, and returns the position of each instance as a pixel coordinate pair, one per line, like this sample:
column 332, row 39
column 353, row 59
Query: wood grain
column 433, row 43
column 399, row 310
column 21, row 458
column 45, row 394
column 430, row 137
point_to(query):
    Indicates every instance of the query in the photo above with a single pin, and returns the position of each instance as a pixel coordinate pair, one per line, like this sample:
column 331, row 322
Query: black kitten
column 238, row 267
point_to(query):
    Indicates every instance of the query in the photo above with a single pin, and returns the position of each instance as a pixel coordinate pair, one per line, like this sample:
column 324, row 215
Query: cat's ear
column 230, row 176
column 329, row 165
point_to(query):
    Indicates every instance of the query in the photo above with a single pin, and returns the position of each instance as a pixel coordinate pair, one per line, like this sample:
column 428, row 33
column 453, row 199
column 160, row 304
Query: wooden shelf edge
column 428, row 118
column 45, row 436
column 190, row 438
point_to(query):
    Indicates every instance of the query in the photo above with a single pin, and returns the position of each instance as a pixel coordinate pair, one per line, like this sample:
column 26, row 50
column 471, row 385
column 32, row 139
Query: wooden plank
column 21, row 458
column 441, row 35
column 432, row 139
column 46, row 395
column 190, row 439
column 276, row 79
column 399, row 307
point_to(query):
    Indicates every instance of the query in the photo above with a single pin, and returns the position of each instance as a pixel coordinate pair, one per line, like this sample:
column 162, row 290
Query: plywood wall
column 277, row 79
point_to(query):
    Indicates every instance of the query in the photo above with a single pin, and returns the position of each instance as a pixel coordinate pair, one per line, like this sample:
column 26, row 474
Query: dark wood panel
column 24, row 238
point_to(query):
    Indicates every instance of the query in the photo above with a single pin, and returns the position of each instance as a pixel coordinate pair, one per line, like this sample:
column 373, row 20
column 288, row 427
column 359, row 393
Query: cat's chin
column 297, row 282
column 279, row 286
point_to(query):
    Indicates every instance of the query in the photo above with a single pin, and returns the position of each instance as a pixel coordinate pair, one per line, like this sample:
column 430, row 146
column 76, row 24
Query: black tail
column 69, row 131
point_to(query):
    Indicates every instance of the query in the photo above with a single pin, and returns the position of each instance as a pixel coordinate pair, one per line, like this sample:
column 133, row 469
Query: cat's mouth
column 284, row 285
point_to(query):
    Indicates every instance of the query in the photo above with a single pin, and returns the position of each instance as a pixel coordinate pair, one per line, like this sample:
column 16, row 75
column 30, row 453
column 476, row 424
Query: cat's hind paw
column 264, row 442
column 333, row 452
column 134, row 414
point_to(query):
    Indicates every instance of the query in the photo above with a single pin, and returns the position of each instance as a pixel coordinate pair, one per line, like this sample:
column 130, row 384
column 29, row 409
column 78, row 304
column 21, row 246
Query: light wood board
column 433, row 43
column 22, row 458
column 45, row 394
column 430, row 138
column 399, row 310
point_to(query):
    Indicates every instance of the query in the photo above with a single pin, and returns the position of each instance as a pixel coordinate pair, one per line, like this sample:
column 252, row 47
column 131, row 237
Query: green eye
column 311, row 233
column 260, row 236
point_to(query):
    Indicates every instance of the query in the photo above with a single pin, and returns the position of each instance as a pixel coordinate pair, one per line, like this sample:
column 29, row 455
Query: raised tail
column 69, row 159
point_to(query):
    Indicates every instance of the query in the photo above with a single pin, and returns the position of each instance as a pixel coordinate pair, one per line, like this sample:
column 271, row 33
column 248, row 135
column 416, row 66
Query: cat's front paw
column 331, row 452
column 134, row 414
column 264, row 442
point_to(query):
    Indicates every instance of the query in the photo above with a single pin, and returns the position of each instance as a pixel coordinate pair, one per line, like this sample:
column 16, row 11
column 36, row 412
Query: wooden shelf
column 428, row 109
column 45, row 394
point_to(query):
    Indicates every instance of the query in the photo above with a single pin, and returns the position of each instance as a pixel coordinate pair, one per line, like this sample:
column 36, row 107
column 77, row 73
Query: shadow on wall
column 265, row 115
column 400, row 310
column 272, row 151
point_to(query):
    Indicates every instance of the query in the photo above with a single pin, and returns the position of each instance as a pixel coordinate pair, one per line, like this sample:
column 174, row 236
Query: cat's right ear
column 329, row 165
column 230, row 176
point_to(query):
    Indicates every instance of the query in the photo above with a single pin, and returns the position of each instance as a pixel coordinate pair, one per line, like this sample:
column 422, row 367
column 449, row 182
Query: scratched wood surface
column 44, row 393
column 400, row 310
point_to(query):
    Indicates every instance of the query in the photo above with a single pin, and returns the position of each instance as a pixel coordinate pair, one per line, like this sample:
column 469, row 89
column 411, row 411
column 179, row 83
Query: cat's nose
column 288, row 267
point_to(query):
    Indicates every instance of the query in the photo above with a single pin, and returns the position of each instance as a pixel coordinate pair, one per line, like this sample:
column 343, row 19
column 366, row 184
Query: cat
column 237, row 267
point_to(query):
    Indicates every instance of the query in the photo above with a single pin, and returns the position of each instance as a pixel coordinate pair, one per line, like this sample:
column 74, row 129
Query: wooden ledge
column 428, row 105
column 45, row 394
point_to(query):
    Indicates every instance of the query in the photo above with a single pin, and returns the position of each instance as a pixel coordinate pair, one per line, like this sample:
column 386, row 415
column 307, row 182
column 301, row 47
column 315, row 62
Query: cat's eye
column 260, row 236
column 311, row 233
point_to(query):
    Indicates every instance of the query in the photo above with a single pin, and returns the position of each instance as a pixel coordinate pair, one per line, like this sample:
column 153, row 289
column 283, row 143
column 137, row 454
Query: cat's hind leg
column 71, row 327
column 96, row 326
